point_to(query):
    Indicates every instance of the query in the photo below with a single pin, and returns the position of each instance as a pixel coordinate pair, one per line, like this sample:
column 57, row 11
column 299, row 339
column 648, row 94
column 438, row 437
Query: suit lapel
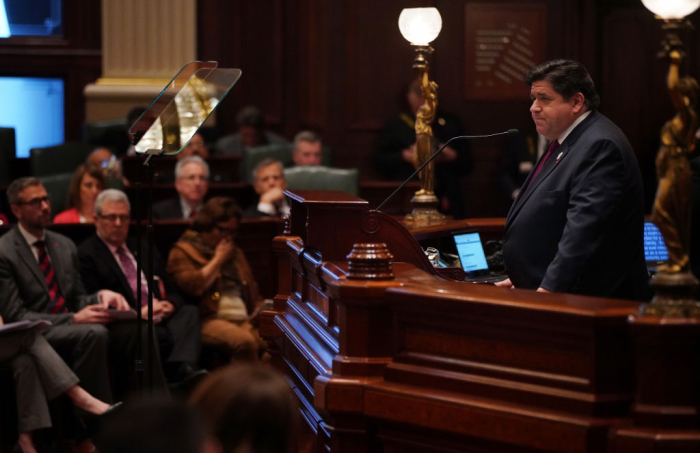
column 549, row 166
column 29, row 259
column 113, row 266
column 525, row 193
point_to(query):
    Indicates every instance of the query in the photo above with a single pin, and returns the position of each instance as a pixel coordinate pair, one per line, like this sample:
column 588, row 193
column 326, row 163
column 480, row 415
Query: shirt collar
column 578, row 121
column 29, row 237
column 186, row 209
column 111, row 248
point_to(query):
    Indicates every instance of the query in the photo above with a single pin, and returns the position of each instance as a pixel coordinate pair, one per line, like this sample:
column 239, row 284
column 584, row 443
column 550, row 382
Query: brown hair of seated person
column 216, row 210
column 87, row 182
column 247, row 409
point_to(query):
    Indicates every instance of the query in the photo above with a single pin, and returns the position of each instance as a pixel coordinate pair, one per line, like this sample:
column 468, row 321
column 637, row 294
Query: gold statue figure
column 424, row 134
column 671, row 211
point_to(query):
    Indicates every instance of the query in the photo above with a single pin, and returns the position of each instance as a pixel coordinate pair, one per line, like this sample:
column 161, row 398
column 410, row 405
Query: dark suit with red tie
column 578, row 227
column 25, row 295
column 87, row 348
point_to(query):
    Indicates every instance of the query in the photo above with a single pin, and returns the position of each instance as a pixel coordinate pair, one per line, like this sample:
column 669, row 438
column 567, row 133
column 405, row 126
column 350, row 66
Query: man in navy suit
column 577, row 224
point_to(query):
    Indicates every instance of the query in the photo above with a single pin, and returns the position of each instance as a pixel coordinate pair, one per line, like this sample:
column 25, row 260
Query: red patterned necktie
column 56, row 302
column 552, row 147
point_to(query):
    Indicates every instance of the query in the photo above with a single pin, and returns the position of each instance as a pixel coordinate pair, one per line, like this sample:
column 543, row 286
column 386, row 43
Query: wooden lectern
column 385, row 355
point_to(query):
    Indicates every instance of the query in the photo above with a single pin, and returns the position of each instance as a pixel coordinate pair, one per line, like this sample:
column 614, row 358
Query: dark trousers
column 92, row 349
column 183, row 331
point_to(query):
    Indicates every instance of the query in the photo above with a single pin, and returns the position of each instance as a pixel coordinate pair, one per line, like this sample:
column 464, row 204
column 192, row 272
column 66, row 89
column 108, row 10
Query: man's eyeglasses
column 112, row 218
column 193, row 178
column 36, row 202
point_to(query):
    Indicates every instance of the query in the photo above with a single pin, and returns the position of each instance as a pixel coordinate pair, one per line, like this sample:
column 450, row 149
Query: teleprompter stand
column 165, row 128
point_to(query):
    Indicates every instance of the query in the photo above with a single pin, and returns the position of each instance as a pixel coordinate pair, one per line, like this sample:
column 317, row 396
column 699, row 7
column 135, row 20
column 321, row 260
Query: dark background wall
column 337, row 66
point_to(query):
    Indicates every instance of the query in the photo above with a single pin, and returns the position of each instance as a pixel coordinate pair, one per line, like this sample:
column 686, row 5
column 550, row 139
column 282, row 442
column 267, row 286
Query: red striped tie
column 56, row 301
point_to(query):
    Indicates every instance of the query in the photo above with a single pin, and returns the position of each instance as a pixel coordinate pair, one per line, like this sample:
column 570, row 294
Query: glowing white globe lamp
column 420, row 26
column 672, row 9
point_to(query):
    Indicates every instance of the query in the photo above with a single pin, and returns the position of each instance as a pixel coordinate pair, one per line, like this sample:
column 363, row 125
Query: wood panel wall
column 339, row 66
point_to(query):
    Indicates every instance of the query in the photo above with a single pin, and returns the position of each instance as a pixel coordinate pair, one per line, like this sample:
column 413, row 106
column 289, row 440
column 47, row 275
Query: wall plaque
column 503, row 42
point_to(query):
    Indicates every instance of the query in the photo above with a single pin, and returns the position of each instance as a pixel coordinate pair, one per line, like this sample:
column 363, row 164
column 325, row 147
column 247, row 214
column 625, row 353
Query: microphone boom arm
column 508, row 132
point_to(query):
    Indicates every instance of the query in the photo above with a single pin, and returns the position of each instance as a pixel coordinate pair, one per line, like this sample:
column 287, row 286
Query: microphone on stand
column 435, row 154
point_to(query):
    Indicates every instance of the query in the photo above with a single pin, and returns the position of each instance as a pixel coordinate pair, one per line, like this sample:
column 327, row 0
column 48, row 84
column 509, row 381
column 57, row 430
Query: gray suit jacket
column 23, row 290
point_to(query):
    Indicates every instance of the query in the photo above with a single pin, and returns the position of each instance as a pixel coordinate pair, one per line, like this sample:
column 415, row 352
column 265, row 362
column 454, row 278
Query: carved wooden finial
column 370, row 262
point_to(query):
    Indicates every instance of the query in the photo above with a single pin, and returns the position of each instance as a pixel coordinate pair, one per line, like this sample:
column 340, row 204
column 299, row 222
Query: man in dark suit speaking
column 577, row 224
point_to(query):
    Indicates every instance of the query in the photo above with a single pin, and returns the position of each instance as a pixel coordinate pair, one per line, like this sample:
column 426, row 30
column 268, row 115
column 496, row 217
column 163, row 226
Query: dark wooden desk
column 414, row 363
column 488, row 228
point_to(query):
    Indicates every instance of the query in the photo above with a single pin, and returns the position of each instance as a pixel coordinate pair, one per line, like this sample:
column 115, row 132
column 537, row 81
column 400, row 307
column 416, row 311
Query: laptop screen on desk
column 471, row 253
column 655, row 251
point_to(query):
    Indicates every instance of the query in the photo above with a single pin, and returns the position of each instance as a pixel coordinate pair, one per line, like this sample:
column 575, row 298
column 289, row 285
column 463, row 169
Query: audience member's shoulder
column 58, row 238
column 275, row 139
column 88, row 245
column 67, row 216
column 167, row 209
column 8, row 238
column 229, row 145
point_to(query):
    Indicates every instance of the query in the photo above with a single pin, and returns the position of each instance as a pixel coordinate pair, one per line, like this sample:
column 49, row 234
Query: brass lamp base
column 425, row 208
column 675, row 296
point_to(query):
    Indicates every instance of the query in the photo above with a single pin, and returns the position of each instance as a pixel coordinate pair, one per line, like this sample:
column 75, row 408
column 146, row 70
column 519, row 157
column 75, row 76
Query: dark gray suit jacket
column 579, row 227
column 169, row 209
column 23, row 290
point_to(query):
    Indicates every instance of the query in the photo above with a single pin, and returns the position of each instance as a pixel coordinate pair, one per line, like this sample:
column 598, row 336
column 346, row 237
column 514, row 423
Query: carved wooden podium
column 384, row 355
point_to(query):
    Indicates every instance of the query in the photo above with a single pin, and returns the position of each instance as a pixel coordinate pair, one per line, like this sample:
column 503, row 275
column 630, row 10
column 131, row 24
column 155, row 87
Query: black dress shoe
column 189, row 377
column 111, row 409
column 94, row 423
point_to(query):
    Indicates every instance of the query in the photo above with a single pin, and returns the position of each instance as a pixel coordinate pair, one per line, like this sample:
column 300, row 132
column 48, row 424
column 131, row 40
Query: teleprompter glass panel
column 181, row 108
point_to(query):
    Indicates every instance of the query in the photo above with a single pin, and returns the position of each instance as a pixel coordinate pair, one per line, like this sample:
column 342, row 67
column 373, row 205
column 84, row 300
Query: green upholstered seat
column 253, row 156
column 57, row 186
column 281, row 152
column 63, row 158
column 323, row 178
column 95, row 132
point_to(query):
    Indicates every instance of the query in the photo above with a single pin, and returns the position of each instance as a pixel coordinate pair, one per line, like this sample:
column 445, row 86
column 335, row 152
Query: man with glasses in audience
column 108, row 260
column 40, row 279
column 191, row 183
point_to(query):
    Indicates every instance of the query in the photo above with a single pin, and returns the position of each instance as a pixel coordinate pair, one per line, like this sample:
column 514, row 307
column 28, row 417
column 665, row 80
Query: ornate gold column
column 674, row 285
column 420, row 26
column 144, row 44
